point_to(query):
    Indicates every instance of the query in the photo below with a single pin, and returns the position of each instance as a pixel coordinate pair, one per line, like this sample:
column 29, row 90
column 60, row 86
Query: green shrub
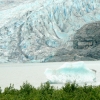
column 48, row 92
column 0, row 90
column 70, row 87
column 46, row 88
column 10, row 90
column 26, row 88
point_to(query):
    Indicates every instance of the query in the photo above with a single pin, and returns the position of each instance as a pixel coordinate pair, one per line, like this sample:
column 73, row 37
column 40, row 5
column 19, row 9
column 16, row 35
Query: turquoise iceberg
column 71, row 72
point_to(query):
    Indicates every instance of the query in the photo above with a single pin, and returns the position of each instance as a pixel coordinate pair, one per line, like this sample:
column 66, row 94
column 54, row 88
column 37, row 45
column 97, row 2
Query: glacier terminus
column 49, row 30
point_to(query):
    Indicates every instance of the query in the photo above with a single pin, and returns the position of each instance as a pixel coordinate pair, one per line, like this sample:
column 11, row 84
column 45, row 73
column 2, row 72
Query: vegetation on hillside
column 47, row 92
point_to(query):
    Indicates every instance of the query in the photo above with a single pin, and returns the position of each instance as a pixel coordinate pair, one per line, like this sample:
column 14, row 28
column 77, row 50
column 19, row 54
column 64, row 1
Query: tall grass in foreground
column 47, row 92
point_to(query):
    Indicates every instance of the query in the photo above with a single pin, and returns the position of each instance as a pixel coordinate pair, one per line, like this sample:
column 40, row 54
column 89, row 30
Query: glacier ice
column 52, row 43
column 34, row 31
column 71, row 72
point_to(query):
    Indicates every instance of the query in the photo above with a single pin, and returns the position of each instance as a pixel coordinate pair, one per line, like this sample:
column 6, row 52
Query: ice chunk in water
column 70, row 72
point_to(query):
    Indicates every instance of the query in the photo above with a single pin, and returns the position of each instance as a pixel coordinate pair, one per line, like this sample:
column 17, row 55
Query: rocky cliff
column 86, row 45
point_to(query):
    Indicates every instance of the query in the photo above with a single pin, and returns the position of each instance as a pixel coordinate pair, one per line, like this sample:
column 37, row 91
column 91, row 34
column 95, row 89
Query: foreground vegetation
column 47, row 92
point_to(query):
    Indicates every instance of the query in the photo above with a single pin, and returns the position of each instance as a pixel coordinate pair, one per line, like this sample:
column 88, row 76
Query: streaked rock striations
column 88, row 39
column 86, row 45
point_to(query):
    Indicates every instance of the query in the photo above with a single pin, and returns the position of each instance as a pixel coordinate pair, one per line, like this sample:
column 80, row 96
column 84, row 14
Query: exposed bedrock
column 86, row 45
column 88, row 39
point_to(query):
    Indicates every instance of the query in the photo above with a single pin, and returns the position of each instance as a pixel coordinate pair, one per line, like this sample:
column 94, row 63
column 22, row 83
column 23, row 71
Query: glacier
column 71, row 72
column 37, row 30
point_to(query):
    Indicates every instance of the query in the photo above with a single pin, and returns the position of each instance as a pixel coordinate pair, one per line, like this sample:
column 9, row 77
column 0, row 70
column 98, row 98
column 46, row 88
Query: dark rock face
column 86, row 45
column 88, row 36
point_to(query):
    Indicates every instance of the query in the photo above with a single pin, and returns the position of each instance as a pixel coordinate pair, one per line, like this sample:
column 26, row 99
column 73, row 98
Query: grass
column 47, row 92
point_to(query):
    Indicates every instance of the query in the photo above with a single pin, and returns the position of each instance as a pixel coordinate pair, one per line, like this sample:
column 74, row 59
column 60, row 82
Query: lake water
column 17, row 73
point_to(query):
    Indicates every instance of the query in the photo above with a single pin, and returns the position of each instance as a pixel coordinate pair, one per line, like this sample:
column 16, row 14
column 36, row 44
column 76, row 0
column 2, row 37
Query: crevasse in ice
column 71, row 72
column 33, row 32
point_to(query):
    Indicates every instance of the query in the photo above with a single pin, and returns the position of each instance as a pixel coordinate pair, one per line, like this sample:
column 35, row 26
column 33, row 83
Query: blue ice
column 70, row 72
